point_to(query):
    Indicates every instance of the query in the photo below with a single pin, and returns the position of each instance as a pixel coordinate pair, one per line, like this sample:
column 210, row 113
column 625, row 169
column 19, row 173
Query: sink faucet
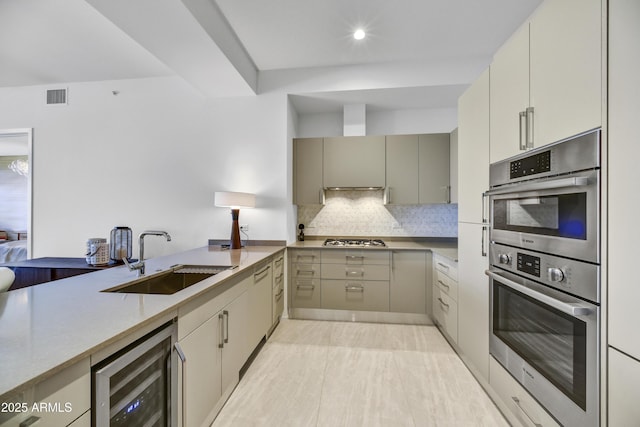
column 139, row 266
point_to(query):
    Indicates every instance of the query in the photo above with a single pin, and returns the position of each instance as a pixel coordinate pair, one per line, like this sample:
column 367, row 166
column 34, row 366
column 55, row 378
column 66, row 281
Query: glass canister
column 97, row 251
column 120, row 244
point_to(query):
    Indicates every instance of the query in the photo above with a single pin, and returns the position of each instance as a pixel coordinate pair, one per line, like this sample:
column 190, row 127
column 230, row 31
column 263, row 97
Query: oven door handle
column 572, row 309
column 579, row 181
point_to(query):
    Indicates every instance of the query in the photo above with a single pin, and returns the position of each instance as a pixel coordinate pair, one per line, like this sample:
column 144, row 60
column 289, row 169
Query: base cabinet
column 445, row 296
column 69, row 391
column 408, row 285
column 624, row 389
column 304, row 278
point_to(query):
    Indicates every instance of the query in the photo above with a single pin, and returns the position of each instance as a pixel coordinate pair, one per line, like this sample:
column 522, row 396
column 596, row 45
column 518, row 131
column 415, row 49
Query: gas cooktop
column 354, row 242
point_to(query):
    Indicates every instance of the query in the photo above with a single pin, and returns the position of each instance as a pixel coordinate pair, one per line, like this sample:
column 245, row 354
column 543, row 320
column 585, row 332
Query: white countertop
column 47, row 327
column 446, row 249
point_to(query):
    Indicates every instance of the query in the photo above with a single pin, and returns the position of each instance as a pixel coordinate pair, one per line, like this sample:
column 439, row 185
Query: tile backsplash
column 362, row 213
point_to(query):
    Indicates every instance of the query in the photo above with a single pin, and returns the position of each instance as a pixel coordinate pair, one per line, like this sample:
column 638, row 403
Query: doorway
column 16, row 178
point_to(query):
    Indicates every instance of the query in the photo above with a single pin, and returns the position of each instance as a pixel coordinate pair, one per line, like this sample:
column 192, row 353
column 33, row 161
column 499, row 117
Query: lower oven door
column 548, row 341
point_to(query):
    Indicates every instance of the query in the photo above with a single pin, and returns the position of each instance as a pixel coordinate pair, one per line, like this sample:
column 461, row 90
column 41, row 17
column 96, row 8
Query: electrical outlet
column 244, row 227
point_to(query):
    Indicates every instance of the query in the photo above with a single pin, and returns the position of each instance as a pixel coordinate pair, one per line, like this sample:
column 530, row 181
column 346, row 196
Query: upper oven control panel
column 568, row 275
column 532, row 165
column 578, row 153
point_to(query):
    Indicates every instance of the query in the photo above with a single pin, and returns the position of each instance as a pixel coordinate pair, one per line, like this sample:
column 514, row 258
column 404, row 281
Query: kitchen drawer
column 278, row 301
column 278, row 265
column 304, row 256
column 445, row 311
column 360, row 295
column 66, row 396
column 305, row 293
column 355, row 256
column 355, row 272
column 521, row 405
column 446, row 266
column 447, row 284
column 278, row 281
column 305, row 271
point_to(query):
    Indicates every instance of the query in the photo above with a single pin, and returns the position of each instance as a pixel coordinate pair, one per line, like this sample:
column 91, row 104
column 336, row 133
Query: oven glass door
column 560, row 215
column 552, row 342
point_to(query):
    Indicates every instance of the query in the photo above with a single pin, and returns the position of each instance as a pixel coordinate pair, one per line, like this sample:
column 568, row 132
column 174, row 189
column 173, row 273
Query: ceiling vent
column 56, row 96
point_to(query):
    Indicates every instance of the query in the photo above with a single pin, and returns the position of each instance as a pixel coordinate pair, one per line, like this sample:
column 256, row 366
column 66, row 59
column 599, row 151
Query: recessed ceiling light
column 359, row 34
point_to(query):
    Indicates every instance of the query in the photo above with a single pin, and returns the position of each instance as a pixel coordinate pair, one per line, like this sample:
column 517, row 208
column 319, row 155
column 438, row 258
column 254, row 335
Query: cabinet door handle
column 353, row 288
column 221, row 323
column 444, row 284
column 183, row 362
column 354, row 273
column 260, row 274
column 529, row 141
column 321, row 196
column 517, row 402
column 279, row 295
column 226, row 327
column 523, row 130
column 484, row 208
column 443, row 303
column 483, row 251
column 447, row 193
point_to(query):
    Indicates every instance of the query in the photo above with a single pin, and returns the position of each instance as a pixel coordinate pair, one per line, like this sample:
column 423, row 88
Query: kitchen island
column 47, row 328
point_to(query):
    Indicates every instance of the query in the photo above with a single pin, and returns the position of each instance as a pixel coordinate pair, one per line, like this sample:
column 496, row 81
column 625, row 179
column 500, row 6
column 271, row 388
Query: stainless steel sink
column 170, row 281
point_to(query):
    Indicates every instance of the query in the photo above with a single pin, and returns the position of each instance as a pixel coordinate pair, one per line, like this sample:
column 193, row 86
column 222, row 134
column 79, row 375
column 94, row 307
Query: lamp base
column 235, row 229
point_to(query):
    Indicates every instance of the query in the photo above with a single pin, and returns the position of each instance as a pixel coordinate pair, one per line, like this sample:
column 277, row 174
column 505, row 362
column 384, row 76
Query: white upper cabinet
column 402, row 169
column 566, row 68
column 509, row 95
column 546, row 81
column 473, row 149
column 354, row 162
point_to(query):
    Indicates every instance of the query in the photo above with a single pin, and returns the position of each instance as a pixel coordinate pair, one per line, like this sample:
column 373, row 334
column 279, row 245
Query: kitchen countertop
column 445, row 248
column 48, row 327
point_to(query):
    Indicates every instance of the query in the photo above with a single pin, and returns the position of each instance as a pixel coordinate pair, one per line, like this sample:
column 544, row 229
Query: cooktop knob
column 555, row 274
column 504, row 259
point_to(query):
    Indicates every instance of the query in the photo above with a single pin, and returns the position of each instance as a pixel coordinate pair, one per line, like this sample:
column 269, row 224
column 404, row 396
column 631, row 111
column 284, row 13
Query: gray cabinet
column 445, row 296
column 354, row 161
column 433, row 153
column 304, row 278
column 408, row 285
column 402, row 170
column 418, row 169
column 623, row 389
column 307, row 171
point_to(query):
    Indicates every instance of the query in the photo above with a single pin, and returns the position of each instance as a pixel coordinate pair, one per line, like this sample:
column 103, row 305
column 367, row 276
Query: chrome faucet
column 139, row 266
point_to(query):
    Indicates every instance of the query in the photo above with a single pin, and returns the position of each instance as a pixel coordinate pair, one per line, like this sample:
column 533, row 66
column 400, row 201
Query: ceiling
column 64, row 41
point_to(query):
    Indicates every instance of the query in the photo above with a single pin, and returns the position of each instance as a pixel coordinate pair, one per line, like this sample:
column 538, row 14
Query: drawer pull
column 353, row 273
column 445, row 266
column 517, row 402
column 279, row 295
column 312, row 287
column 354, row 288
column 354, row 258
column 32, row 420
column 278, row 262
column 443, row 284
column 443, row 303
column 305, row 272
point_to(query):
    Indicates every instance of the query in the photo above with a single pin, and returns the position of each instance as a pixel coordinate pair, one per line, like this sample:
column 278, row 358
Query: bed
column 13, row 250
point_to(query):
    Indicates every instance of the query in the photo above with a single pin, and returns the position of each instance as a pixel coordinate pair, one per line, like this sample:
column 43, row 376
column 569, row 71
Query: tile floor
column 315, row 373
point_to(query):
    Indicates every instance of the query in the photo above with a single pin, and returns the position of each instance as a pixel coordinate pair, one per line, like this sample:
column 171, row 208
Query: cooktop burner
column 354, row 242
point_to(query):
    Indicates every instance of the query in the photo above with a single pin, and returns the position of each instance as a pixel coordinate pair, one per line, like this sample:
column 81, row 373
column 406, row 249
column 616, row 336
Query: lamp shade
column 235, row 200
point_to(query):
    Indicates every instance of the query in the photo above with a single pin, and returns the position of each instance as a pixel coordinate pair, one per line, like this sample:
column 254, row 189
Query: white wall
column 394, row 122
column 150, row 157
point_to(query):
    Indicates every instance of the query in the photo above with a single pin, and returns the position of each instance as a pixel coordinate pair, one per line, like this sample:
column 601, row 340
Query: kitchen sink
column 170, row 281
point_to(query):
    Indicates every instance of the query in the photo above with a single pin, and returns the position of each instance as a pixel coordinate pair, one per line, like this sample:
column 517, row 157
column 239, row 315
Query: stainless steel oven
column 545, row 275
column 548, row 199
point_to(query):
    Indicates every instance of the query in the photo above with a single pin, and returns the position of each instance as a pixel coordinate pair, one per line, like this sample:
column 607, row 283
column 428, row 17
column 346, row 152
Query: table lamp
column 235, row 201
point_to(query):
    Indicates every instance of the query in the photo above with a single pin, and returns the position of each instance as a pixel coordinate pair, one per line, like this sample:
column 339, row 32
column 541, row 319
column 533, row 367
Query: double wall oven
column 545, row 274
